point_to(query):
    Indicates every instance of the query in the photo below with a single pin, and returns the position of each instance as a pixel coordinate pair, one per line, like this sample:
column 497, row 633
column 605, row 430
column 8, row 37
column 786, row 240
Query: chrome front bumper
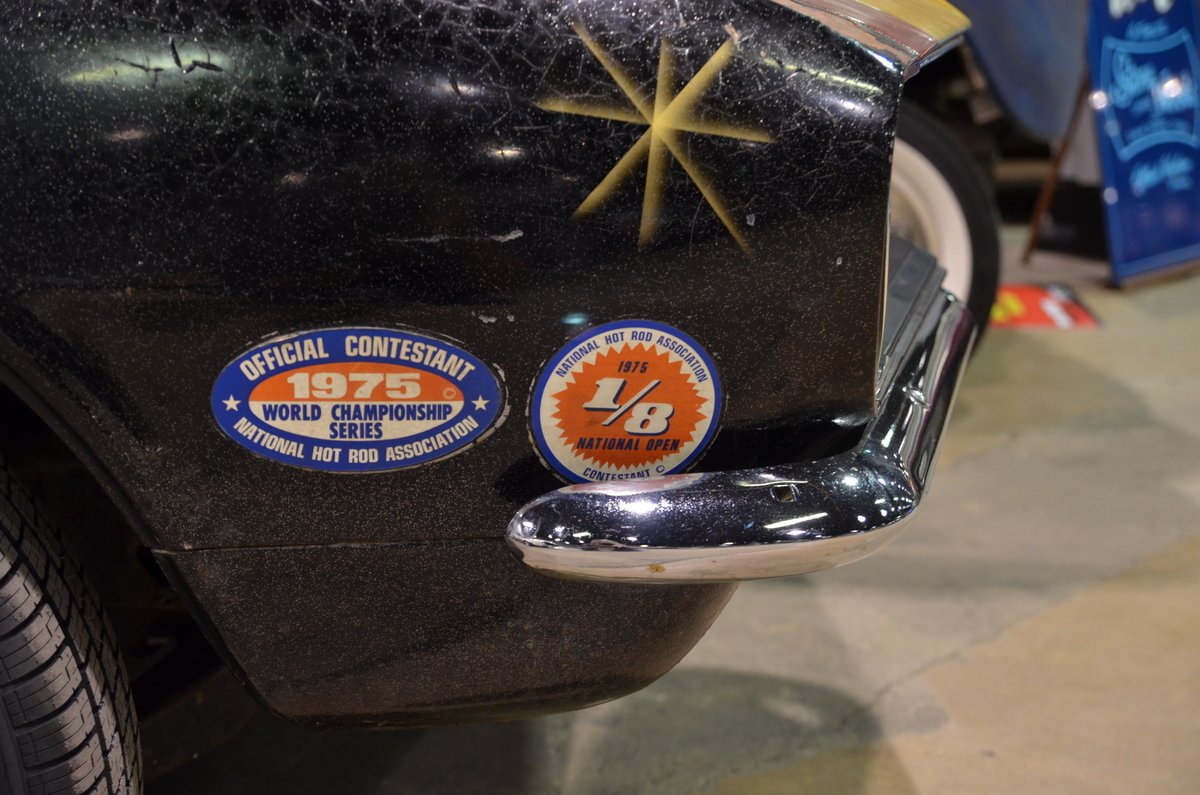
column 775, row 521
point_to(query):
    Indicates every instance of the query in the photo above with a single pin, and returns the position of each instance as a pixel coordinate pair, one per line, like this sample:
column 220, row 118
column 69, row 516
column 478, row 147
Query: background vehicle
column 192, row 192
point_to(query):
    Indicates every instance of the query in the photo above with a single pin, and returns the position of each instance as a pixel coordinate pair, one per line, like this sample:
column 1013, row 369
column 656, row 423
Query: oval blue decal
column 357, row 399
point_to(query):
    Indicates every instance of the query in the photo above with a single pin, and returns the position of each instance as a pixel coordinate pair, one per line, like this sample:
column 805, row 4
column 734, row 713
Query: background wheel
column 66, row 715
column 942, row 202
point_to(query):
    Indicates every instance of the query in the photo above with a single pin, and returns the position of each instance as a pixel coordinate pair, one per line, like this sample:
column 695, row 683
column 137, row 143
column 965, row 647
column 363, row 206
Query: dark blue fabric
column 1034, row 54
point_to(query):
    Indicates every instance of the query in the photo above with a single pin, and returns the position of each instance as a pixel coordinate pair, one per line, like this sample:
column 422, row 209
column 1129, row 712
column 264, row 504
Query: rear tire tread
column 64, row 693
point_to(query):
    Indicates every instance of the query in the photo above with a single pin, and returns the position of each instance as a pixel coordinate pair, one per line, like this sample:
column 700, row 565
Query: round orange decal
column 627, row 400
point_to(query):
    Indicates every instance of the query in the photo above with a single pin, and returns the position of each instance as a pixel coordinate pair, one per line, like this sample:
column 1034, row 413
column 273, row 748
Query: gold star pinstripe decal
column 665, row 116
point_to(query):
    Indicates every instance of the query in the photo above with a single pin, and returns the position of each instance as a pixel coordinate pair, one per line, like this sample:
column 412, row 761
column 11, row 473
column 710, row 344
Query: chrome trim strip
column 770, row 522
column 905, row 33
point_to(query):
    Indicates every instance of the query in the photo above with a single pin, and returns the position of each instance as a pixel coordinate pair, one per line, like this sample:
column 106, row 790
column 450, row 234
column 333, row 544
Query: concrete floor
column 1036, row 630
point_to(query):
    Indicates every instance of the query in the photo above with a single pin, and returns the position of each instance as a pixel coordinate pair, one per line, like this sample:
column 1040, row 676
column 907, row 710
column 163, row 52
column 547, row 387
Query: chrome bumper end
column 775, row 521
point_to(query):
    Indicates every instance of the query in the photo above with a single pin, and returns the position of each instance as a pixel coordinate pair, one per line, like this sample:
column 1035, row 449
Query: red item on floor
column 1040, row 306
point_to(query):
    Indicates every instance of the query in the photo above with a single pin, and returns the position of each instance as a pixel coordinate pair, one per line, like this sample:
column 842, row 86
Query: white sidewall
column 931, row 203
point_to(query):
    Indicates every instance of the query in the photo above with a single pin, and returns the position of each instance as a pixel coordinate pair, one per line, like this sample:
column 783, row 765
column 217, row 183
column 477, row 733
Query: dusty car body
column 182, row 186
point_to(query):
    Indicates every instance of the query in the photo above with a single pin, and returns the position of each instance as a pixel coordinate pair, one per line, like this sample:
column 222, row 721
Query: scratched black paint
column 183, row 179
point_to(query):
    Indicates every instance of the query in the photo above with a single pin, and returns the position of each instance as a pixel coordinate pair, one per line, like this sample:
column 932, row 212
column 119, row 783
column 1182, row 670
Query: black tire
column 66, row 714
column 929, row 139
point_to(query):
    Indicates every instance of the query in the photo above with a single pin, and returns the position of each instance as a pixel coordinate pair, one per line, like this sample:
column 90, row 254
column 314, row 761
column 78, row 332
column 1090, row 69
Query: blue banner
column 1144, row 76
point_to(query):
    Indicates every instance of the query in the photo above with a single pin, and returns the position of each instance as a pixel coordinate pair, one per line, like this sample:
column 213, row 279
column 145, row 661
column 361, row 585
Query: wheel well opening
column 164, row 649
